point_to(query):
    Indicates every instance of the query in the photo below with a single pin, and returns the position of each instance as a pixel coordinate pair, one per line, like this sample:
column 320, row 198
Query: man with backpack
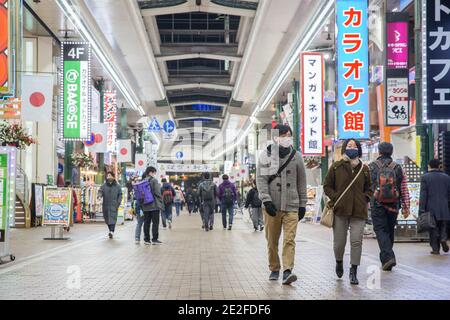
column 255, row 203
column 391, row 191
column 207, row 193
column 227, row 196
column 168, row 196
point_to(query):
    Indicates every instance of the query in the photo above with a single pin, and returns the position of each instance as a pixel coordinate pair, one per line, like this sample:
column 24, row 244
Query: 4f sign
column 75, row 113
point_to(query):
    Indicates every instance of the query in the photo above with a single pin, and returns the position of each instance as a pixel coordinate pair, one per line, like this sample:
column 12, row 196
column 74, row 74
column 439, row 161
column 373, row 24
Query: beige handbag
column 327, row 217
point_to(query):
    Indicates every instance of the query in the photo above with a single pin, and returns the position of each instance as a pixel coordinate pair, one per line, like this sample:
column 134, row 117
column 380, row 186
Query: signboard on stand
column 353, row 69
column 75, row 113
column 436, row 61
column 57, row 206
column 313, row 106
column 110, row 118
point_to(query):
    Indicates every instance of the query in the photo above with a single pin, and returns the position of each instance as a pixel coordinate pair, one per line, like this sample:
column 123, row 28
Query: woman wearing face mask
column 351, row 211
column 111, row 192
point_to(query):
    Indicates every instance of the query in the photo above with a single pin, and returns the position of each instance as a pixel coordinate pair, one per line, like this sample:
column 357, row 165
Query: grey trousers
column 257, row 217
column 340, row 230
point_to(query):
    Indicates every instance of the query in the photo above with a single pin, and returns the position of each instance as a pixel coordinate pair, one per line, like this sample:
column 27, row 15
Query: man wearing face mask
column 281, row 182
column 111, row 192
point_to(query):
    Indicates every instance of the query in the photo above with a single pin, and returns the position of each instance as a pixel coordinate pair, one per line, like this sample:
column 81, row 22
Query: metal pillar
column 123, row 135
column 100, row 178
column 296, row 113
column 68, row 167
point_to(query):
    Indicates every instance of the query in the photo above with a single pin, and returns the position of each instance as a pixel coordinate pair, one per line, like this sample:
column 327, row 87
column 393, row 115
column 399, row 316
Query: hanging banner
column 436, row 61
column 123, row 151
column 289, row 115
column 140, row 162
column 185, row 168
column 57, row 206
column 397, row 25
column 5, row 44
column 97, row 142
column 353, row 69
column 110, row 118
column 75, row 114
column 397, row 102
column 37, row 98
column 313, row 106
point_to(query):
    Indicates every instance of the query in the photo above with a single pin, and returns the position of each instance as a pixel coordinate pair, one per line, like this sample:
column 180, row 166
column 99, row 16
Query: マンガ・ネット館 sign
column 75, row 118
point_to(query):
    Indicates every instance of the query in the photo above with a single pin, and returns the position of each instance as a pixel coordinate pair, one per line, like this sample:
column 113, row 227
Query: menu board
column 57, row 206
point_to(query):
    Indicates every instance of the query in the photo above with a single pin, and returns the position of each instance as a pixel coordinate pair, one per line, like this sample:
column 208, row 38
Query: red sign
column 110, row 118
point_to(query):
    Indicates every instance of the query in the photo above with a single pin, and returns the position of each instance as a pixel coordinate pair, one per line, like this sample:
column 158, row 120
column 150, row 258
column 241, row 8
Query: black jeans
column 384, row 222
column 438, row 235
column 151, row 217
column 111, row 227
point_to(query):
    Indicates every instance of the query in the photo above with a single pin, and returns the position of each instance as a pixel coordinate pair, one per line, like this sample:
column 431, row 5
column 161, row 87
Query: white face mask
column 285, row 142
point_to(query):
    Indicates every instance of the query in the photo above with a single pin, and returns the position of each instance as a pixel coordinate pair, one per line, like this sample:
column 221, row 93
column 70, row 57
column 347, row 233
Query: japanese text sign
column 397, row 104
column 436, row 61
column 5, row 61
column 313, row 130
column 110, row 117
column 397, row 40
column 353, row 69
column 75, row 114
column 57, row 206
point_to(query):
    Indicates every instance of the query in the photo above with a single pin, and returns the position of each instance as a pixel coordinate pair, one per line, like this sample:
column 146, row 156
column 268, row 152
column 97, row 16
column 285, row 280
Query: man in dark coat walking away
column 434, row 198
column 111, row 192
column 390, row 191
column 208, row 194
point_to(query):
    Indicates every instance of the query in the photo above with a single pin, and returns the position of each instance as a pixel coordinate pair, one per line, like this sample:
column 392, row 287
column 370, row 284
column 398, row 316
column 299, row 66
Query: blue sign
column 352, row 69
column 179, row 155
column 169, row 126
column 436, row 62
column 154, row 125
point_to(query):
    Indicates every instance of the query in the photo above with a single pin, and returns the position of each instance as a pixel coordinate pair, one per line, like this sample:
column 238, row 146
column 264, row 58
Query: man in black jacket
column 255, row 203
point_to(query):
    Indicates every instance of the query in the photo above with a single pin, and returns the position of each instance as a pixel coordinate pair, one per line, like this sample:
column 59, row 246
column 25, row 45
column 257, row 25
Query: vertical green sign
column 4, row 191
column 75, row 113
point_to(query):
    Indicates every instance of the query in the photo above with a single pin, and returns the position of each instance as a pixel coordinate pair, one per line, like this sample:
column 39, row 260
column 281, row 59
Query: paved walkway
column 193, row 264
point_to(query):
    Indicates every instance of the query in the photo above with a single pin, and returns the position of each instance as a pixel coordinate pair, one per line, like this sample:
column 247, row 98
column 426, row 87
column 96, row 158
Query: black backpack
column 228, row 197
column 208, row 193
column 256, row 201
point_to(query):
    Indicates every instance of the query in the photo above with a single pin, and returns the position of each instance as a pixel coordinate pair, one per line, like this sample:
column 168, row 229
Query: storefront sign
column 110, row 118
column 4, row 191
column 7, row 188
column 397, row 40
column 57, row 206
column 353, row 69
column 5, row 61
column 75, row 114
column 397, row 102
column 313, row 114
column 436, row 61
column 184, row 168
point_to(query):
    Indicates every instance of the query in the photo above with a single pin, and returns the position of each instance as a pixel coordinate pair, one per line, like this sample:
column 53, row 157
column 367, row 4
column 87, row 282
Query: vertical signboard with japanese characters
column 313, row 124
column 4, row 194
column 75, row 114
column 436, row 61
column 353, row 69
column 110, row 118
column 5, row 61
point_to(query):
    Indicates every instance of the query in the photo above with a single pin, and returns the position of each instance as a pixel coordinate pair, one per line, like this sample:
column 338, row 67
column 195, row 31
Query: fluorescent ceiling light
column 66, row 7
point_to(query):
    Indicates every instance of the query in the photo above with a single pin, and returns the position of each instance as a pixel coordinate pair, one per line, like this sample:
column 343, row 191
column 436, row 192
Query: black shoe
column 289, row 277
column 353, row 278
column 256, row 229
column 229, row 227
column 274, row 275
column 444, row 246
column 261, row 228
column 435, row 252
column 389, row 265
column 339, row 269
column 110, row 235
column 156, row 242
column 210, row 227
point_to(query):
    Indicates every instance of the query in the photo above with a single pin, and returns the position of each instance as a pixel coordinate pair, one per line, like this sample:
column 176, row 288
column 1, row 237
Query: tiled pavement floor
column 193, row 264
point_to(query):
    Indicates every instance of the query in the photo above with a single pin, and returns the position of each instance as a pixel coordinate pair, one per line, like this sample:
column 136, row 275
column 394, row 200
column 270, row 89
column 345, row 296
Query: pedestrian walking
column 227, row 197
column 254, row 202
column 140, row 219
column 190, row 201
column 208, row 194
column 434, row 198
column 281, row 183
column 152, row 210
column 178, row 201
column 348, row 185
column 389, row 184
column 168, row 196
column 111, row 192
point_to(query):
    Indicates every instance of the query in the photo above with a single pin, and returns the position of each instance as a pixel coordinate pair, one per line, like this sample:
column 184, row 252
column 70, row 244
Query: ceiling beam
column 198, row 102
column 200, row 85
column 186, row 56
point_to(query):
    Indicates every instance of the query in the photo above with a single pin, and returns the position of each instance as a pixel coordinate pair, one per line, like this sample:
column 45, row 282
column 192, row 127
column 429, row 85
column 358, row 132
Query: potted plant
column 14, row 135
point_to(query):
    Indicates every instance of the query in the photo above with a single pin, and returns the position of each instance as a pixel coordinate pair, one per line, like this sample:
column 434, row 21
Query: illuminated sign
column 313, row 124
column 5, row 44
column 397, row 40
column 353, row 69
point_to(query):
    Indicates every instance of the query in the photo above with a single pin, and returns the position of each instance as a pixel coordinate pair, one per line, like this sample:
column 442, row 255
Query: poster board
column 57, row 206
column 414, row 195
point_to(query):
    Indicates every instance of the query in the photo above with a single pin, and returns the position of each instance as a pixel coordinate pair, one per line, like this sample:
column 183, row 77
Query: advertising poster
column 436, row 61
column 57, row 206
column 5, row 63
column 353, row 69
column 397, row 104
column 110, row 118
column 397, row 40
column 39, row 200
column 414, row 194
column 75, row 115
column 4, row 195
column 313, row 113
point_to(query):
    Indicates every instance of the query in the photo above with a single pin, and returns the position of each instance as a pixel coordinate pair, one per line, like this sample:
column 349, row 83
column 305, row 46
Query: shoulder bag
column 327, row 217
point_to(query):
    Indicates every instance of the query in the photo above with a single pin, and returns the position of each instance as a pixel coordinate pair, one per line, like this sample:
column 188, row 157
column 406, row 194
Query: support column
column 123, row 135
column 100, row 178
column 68, row 167
column 296, row 112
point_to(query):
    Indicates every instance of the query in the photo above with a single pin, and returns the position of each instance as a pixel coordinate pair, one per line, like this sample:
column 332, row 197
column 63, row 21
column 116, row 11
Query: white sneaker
column 147, row 243
column 170, row 224
column 137, row 242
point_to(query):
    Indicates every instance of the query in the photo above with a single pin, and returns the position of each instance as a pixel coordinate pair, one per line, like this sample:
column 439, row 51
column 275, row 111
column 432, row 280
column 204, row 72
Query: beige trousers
column 286, row 222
